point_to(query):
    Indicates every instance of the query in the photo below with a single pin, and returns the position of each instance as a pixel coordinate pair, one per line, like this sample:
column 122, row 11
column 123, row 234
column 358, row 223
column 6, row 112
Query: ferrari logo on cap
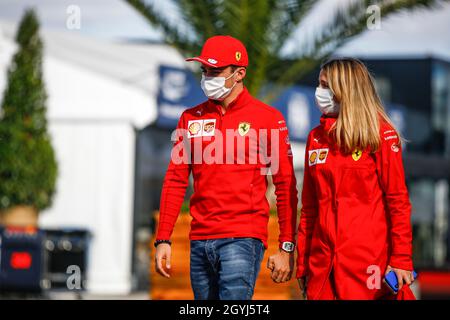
column 356, row 154
column 238, row 55
column 243, row 128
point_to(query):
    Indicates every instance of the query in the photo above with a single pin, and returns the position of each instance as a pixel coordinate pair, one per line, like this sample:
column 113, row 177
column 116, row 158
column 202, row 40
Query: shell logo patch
column 356, row 155
column 201, row 128
column 238, row 55
column 318, row 156
column 244, row 128
column 312, row 157
column 395, row 147
column 194, row 128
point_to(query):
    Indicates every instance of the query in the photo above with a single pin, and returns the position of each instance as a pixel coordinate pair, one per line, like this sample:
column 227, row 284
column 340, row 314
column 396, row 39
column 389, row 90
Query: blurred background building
column 116, row 91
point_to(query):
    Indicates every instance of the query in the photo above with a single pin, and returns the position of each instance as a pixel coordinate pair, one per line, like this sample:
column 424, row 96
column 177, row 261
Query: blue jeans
column 225, row 269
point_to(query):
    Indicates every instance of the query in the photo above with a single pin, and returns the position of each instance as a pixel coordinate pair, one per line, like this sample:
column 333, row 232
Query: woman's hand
column 403, row 276
column 302, row 286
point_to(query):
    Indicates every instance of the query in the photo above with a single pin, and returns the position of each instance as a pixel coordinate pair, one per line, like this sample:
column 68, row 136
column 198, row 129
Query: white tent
column 98, row 95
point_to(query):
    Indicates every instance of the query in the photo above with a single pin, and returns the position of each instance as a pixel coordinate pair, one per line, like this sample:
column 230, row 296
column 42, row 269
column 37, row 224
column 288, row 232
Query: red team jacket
column 355, row 216
column 229, row 199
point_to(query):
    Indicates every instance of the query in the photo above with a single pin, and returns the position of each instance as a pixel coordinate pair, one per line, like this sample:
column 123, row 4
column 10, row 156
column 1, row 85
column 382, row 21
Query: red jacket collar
column 327, row 122
column 241, row 100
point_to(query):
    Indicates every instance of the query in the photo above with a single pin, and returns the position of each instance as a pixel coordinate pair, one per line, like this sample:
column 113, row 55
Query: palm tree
column 264, row 26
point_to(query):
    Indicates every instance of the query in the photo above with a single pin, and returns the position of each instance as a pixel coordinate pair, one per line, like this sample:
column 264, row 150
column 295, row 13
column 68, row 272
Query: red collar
column 327, row 122
column 241, row 100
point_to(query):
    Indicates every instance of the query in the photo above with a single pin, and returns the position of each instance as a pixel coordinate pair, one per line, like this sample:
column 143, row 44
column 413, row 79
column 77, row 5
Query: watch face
column 288, row 246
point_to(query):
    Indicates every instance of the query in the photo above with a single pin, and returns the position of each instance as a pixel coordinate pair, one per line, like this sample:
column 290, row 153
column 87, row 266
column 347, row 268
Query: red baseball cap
column 222, row 51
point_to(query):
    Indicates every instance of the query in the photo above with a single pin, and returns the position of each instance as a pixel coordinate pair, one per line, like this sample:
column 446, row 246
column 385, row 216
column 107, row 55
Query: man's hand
column 163, row 252
column 281, row 265
column 403, row 276
column 302, row 286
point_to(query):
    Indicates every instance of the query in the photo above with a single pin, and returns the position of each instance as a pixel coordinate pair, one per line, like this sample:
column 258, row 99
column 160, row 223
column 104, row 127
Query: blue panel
column 297, row 103
column 178, row 90
column 397, row 113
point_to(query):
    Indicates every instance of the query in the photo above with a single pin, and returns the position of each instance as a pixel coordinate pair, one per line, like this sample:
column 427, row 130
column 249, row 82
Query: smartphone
column 392, row 282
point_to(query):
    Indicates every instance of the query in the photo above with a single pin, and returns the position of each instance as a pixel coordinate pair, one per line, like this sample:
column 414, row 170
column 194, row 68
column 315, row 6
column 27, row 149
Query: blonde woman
column 355, row 218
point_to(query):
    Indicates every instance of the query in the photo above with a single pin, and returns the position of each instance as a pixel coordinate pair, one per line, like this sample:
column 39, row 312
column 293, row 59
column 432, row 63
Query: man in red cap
column 229, row 143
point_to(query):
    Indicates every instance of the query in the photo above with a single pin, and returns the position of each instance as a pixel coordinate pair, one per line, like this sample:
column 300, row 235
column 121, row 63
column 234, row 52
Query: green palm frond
column 201, row 15
column 346, row 24
column 172, row 35
column 264, row 26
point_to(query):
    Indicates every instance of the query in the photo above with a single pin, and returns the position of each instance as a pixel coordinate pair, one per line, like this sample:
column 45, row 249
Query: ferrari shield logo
column 238, row 56
column 356, row 154
column 243, row 128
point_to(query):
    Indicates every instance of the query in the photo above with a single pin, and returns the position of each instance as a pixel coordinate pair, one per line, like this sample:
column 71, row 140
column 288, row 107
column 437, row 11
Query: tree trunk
column 19, row 216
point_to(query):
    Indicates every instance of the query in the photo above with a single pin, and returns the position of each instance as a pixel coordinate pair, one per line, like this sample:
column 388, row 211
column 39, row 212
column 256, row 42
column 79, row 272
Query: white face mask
column 214, row 87
column 325, row 102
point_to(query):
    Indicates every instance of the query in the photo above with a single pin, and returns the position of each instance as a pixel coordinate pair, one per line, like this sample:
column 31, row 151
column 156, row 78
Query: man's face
column 224, row 72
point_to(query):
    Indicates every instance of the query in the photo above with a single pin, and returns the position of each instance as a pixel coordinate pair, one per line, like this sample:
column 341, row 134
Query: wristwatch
column 157, row 242
column 287, row 246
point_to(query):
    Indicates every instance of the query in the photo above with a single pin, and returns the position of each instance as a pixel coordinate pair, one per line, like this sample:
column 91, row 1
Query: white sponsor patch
column 194, row 128
column 322, row 156
column 317, row 156
column 212, row 61
column 201, row 128
column 313, row 155
column 209, row 126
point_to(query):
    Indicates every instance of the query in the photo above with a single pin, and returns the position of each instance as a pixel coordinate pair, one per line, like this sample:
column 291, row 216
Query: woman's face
column 323, row 83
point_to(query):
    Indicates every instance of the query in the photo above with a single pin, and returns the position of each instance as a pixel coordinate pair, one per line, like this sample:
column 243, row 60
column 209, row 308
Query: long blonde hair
column 361, row 111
